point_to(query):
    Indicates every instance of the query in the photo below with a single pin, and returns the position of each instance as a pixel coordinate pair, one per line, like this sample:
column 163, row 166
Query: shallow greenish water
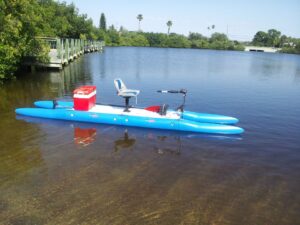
column 55, row 172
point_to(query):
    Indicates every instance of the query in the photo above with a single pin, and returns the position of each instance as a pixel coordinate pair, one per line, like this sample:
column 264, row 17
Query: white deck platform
column 133, row 112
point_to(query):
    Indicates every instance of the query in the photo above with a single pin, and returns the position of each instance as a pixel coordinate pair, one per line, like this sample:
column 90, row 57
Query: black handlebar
column 181, row 91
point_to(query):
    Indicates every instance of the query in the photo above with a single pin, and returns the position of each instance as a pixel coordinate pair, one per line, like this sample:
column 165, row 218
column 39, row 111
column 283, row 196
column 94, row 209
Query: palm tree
column 169, row 24
column 212, row 27
column 140, row 18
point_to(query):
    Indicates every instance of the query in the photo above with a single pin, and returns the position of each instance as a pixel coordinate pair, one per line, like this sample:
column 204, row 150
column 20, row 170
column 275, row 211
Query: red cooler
column 84, row 98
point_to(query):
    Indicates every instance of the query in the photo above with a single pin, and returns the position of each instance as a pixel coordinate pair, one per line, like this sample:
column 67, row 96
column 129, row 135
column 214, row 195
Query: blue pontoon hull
column 65, row 112
column 188, row 115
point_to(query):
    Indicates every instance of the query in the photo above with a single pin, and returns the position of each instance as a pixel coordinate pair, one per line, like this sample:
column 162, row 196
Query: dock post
column 32, row 68
column 68, row 44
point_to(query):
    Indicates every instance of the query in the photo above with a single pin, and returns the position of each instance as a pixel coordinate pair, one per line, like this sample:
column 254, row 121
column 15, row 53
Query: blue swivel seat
column 124, row 92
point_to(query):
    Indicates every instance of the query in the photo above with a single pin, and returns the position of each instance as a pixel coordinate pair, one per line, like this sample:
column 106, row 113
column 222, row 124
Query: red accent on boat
column 153, row 108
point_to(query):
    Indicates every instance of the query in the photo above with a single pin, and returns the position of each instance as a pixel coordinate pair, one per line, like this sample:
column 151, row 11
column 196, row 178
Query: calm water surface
column 54, row 172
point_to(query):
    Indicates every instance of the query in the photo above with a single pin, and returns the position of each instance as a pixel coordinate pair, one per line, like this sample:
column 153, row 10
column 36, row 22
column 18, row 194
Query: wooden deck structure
column 64, row 50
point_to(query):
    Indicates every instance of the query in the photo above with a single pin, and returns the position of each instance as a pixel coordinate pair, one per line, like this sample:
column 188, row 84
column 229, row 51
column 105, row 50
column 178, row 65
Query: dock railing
column 65, row 50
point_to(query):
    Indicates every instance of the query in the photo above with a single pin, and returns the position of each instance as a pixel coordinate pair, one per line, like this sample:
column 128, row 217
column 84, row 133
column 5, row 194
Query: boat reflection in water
column 124, row 142
column 84, row 136
column 118, row 138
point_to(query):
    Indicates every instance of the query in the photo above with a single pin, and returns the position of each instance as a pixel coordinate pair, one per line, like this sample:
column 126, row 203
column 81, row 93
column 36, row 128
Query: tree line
column 123, row 37
column 219, row 41
column 274, row 38
column 22, row 22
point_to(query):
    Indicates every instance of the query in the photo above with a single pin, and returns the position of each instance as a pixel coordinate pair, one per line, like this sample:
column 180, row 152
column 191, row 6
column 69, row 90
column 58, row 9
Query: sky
column 239, row 19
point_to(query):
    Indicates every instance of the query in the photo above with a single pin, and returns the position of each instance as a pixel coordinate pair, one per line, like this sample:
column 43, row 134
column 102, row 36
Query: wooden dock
column 63, row 51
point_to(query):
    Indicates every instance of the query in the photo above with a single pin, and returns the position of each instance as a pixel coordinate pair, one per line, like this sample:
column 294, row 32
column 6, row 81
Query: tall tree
column 113, row 35
column 274, row 37
column 283, row 40
column 196, row 36
column 270, row 39
column 20, row 22
column 260, row 39
column 140, row 18
column 102, row 24
column 169, row 24
column 218, row 37
column 211, row 27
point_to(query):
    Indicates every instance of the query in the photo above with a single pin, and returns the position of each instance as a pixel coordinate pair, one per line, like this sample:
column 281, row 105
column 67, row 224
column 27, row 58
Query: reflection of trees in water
column 102, row 66
column 73, row 74
column 265, row 66
column 166, row 63
column 297, row 74
column 138, row 62
column 46, row 84
column 25, row 90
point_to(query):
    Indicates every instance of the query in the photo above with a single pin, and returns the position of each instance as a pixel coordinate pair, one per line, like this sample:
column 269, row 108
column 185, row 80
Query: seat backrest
column 163, row 109
column 119, row 84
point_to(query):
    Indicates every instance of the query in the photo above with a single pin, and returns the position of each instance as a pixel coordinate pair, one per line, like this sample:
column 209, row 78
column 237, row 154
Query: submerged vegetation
column 23, row 21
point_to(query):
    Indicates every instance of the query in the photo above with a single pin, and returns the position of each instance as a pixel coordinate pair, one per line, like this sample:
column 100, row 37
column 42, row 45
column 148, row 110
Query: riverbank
column 217, row 41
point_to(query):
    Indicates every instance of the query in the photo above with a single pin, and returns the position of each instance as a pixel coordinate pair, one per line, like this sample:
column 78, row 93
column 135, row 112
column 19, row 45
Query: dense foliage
column 102, row 23
column 194, row 40
column 23, row 21
column 273, row 38
column 20, row 22
column 63, row 20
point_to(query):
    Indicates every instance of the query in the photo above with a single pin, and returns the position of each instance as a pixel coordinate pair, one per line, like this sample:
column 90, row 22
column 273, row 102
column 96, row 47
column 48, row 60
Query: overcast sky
column 240, row 19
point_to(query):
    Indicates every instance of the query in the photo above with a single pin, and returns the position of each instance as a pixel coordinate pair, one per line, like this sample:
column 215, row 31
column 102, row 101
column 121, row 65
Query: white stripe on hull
column 133, row 112
column 81, row 95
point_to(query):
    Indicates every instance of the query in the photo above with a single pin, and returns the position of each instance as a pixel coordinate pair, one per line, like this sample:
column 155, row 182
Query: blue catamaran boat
column 84, row 109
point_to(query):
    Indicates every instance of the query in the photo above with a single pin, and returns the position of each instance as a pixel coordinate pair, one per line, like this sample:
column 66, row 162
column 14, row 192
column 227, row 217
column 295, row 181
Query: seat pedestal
column 127, row 104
